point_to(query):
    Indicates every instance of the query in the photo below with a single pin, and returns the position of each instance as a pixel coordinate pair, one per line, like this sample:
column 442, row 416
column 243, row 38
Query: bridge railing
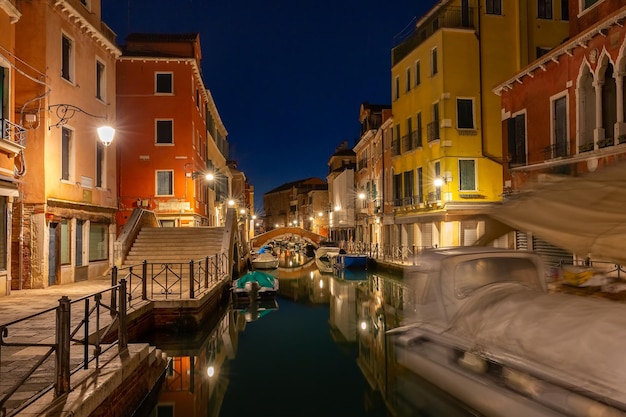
column 81, row 322
column 172, row 280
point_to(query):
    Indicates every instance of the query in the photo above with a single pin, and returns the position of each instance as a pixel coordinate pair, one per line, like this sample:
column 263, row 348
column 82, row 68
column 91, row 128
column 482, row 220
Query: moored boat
column 480, row 324
column 350, row 261
column 265, row 260
column 255, row 284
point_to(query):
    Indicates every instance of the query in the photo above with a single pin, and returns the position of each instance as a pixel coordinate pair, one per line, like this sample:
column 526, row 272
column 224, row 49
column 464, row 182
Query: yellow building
column 447, row 142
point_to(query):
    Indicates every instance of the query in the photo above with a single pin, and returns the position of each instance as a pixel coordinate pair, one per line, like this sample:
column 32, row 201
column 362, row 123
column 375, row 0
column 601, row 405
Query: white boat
column 265, row 260
column 480, row 324
column 325, row 257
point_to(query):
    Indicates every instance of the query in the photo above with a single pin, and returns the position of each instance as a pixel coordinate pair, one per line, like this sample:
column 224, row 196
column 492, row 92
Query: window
column 79, row 242
column 397, row 189
column 165, row 183
column 419, row 129
column 437, row 174
column 67, row 58
column 66, row 153
column 559, row 110
column 164, row 84
column 420, row 184
column 588, row 3
column 418, row 80
column 86, row 3
column 465, row 113
column 517, row 140
column 99, row 164
column 544, row 9
column 98, row 242
column 433, row 62
column 467, row 175
column 494, row 7
column 408, row 79
column 397, row 88
column 541, row 51
column 197, row 98
column 65, row 242
column 100, row 77
column 564, row 9
column 164, row 131
column 408, row 187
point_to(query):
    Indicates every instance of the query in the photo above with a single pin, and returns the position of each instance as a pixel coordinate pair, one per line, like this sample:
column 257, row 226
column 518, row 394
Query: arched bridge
column 285, row 232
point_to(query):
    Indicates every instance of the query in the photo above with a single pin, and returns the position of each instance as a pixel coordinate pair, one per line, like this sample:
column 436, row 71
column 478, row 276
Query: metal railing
column 89, row 329
column 13, row 132
column 172, row 280
column 403, row 254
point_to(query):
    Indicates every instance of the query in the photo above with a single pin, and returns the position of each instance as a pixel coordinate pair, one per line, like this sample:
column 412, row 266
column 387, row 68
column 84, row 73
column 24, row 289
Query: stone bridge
column 285, row 233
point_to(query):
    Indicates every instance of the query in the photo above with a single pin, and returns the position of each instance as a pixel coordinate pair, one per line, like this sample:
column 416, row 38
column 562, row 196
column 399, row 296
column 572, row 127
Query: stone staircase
column 174, row 244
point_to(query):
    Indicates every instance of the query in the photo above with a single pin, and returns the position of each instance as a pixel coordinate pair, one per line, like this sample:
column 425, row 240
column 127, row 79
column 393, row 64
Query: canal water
column 317, row 349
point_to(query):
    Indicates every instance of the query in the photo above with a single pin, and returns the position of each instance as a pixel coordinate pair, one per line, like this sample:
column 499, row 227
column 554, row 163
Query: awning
column 585, row 215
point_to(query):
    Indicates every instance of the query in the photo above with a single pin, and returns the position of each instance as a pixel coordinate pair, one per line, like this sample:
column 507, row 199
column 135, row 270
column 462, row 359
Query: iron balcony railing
column 13, row 132
column 54, row 366
column 555, row 150
column 447, row 17
column 432, row 130
column 395, row 147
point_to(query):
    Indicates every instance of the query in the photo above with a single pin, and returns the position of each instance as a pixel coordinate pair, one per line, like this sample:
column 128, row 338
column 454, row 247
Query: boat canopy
column 262, row 278
column 583, row 214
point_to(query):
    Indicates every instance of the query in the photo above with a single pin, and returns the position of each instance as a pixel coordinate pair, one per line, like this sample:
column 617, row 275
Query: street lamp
column 65, row 112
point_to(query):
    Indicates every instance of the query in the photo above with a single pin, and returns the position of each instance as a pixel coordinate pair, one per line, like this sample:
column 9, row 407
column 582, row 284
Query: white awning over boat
column 585, row 215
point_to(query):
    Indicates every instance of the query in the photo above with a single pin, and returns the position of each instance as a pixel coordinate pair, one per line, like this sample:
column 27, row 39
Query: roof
column 311, row 181
column 162, row 37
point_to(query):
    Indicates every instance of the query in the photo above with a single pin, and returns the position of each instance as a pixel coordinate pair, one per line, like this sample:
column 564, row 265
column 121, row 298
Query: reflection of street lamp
column 66, row 111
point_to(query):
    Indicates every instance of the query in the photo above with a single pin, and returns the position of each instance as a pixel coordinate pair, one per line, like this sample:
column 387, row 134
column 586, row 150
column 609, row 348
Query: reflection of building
column 64, row 222
column 195, row 383
column 369, row 172
column 565, row 112
column 284, row 205
column 343, row 316
column 447, row 144
column 171, row 133
column 341, row 193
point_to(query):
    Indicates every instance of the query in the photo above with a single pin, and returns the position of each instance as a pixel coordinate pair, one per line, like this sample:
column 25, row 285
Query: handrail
column 172, row 280
column 64, row 336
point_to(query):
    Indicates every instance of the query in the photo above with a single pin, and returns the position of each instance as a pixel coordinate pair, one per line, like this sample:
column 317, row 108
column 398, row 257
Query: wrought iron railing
column 86, row 329
column 403, row 254
column 432, row 131
column 13, row 132
column 172, row 280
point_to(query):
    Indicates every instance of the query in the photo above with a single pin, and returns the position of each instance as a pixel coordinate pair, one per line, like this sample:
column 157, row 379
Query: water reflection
column 318, row 348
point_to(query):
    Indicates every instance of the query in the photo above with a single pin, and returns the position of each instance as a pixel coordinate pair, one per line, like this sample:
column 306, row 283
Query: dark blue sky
column 288, row 77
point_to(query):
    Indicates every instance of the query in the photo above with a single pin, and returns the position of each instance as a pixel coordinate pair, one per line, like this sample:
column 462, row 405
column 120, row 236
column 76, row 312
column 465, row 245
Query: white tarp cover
column 585, row 215
column 577, row 340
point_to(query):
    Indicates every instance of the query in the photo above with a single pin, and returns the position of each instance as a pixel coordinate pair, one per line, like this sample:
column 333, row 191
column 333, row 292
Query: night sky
column 288, row 77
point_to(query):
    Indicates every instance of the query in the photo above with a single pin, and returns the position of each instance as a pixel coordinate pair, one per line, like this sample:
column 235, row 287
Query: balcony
column 448, row 17
column 555, row 150
column 395, row 147
column 406, row 143
column 432, row 131
column 13, row 138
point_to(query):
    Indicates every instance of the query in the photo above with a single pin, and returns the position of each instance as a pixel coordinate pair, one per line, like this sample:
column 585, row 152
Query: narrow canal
column 318, row 348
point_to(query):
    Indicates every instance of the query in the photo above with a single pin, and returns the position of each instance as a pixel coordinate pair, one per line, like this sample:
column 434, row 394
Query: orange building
column 173, row 135
column 12, row 137
column 64, row 218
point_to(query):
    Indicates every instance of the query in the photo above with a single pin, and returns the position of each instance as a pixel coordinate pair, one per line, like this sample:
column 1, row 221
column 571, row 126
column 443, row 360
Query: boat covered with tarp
column 256, row 283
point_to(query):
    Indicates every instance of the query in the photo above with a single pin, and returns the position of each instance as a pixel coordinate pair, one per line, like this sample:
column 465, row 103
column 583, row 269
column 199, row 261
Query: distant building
column 369, row 179
column 64, row 220
column 172, row 134
column 342, row 193
column 447, row 143
column 284, row 206
column 565, row 113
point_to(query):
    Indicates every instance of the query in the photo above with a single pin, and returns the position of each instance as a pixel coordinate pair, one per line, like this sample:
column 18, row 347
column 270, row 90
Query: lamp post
column 65, row 112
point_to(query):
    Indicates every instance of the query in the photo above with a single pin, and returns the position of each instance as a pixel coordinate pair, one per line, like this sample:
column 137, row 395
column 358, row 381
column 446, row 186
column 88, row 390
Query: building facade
column 12, row 139
column 64, row 217
column 342, row 194
column 285, row 205
column 447, row 141
column 369, row 181
column 173, row 135
column 564, row 113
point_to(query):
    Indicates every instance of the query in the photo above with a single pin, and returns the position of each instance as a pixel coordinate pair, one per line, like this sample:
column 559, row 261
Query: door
column 53, row 240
